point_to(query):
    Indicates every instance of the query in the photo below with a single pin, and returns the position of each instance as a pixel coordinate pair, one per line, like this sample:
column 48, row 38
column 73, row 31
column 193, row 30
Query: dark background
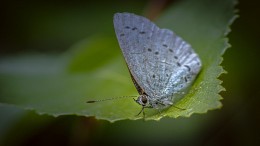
column 53, row 26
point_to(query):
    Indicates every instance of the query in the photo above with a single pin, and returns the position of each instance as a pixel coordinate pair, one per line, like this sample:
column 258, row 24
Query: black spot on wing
column 134, row 28
column 178, row 64
column 188, row 67
column 185, row 79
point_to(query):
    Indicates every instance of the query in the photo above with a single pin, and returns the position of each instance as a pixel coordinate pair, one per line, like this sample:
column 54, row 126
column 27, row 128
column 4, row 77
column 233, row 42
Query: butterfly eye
column 144, row 99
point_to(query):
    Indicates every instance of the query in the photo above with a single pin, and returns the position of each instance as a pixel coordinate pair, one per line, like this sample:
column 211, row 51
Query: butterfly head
column 143, row 100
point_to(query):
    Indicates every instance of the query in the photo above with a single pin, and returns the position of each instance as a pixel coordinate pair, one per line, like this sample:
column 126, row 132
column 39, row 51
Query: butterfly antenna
column 178, row 107
column 120, row 97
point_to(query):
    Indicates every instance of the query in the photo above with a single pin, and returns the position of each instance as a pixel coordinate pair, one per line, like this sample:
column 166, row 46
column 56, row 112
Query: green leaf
column 95, row 69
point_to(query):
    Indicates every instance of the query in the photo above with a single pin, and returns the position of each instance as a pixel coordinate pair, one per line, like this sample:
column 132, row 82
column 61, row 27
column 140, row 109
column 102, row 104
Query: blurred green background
column 52, row 27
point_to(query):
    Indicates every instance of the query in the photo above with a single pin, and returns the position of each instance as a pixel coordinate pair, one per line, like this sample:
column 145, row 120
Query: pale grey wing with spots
column 160, row 62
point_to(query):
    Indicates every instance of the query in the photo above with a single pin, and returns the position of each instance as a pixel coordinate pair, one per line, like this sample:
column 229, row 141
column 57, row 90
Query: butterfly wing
column 160, row 62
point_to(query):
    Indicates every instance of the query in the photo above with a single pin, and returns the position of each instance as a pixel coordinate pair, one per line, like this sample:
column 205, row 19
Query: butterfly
column 161, row 64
